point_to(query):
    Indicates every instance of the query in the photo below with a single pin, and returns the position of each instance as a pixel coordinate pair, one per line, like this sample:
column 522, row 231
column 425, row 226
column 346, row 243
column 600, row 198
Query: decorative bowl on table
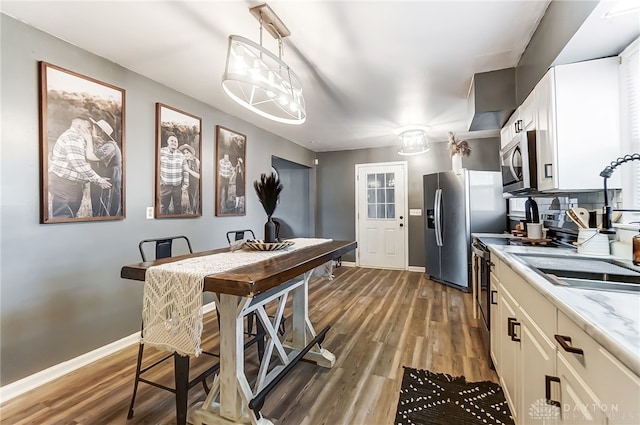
column 260, row 245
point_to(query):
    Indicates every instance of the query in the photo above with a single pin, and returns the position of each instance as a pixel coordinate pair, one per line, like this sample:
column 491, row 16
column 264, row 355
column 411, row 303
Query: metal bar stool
column 164, row 249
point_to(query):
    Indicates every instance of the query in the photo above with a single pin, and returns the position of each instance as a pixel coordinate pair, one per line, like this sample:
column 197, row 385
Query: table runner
column 172, row 302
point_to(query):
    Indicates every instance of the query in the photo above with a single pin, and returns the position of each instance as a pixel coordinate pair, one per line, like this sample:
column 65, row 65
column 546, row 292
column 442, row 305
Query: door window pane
column 371, row 211
column 391, row 211
column 381, row 195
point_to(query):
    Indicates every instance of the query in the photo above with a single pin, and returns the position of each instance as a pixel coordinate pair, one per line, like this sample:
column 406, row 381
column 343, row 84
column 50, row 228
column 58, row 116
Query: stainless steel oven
column 481, row 269
column 518, row 164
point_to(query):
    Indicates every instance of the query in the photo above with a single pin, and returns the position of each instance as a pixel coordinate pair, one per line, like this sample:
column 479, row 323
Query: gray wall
column 295, row 210
column 560, row 22
column 336, row 186
column 61, row 294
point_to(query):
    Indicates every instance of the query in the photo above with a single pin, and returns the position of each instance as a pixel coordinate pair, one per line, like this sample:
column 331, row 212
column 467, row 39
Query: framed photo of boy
column 231, row 149
column 178, row 167
column 81, row 147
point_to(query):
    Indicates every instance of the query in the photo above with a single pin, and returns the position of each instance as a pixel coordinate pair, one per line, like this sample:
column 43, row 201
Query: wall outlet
column 415, row 211
column 149, row 212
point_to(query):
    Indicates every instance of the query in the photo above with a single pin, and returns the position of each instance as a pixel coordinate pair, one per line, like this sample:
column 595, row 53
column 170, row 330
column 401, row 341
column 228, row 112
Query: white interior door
column 381, row 218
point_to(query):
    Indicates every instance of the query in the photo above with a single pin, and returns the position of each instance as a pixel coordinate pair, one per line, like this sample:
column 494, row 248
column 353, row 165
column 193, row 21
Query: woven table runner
column 172, row 303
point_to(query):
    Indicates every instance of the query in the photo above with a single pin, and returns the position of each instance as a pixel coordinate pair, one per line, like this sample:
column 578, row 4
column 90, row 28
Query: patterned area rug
column 428, row 398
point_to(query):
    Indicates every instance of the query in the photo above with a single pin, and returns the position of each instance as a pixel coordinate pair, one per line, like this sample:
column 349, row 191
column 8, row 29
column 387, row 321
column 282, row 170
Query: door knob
column 401, row 225
column 401, row 217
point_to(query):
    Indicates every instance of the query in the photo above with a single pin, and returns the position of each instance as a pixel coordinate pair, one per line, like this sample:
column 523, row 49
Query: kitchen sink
column 587, row 273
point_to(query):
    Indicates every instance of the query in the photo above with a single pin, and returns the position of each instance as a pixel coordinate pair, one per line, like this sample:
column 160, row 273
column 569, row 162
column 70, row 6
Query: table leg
column 231, row 387
column 302, row 328
column 181, row 373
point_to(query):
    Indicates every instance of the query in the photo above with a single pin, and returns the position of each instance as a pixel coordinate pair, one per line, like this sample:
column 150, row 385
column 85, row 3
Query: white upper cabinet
column 523, row 119
column 578, row 125
column 510, row 129
column 528, row 113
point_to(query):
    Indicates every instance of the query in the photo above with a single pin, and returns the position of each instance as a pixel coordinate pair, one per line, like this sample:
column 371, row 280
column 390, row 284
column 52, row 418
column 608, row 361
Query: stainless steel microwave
column 518, row 164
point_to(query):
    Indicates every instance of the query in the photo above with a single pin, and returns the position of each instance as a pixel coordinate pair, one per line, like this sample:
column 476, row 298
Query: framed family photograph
column 178, row 154
column 81, row 147
column 231, row 149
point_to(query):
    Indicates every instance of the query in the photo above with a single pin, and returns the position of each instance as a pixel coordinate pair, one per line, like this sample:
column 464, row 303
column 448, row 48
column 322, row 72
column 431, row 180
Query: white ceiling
column 367, row 67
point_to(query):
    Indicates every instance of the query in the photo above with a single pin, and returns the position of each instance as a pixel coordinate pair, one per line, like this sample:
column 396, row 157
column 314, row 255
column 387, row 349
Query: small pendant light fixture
column 258, row 79
column 412, row 140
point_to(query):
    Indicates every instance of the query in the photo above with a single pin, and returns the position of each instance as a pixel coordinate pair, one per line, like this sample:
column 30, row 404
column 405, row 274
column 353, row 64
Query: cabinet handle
column 514, row 336
column 563, row 340
column 517, row 126
column 547, row 389
column 510, row 322
column 547, row 171
column 494, row 302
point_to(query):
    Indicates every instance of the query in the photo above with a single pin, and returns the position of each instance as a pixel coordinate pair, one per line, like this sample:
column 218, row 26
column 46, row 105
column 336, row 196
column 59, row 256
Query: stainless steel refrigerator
column 457, row 205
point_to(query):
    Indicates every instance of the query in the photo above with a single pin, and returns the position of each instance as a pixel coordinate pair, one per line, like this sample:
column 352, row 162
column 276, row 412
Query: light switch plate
column 415, row 211
column 149, row 213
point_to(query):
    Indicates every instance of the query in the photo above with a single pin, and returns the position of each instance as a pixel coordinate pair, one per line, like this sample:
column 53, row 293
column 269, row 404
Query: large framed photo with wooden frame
column 178, row 153
column 81, row 147
column 231, row 149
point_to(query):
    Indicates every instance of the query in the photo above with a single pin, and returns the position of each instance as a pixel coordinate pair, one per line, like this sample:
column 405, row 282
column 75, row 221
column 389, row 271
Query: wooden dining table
column 235, row 398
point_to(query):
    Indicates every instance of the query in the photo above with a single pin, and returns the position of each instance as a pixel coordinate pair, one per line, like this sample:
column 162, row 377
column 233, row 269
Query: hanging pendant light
column 413, row 140
column 260, row 80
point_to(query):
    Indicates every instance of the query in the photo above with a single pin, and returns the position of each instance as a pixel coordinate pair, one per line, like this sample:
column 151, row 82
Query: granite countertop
column 611, row 318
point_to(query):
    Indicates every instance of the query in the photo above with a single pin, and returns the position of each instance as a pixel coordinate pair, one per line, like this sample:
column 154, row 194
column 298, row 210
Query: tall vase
column 269, row 231
column 456, row 163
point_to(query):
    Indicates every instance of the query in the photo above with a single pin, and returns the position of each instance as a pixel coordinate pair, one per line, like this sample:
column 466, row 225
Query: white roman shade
column 630, row 127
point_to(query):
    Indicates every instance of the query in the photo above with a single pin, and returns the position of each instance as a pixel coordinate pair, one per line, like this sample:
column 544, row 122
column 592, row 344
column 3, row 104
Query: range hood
column 492, row 99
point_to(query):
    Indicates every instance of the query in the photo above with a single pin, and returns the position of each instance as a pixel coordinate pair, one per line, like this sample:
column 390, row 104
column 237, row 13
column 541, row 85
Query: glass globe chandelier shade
column 413, row 142
column 261, row 82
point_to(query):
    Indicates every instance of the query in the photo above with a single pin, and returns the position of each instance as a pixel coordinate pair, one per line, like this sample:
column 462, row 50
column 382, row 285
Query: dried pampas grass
column 458, row 146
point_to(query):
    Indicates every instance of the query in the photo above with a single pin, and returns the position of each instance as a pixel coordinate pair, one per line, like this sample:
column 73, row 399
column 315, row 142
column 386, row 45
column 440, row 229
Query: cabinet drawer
column 616, row 387
column 530, row 300
column 586, row 363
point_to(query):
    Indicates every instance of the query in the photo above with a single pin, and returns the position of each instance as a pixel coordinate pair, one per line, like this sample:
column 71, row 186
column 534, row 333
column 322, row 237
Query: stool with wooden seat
column 164, row 249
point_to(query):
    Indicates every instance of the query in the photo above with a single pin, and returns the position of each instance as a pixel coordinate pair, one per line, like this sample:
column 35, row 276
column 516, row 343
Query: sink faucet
column 607, row 226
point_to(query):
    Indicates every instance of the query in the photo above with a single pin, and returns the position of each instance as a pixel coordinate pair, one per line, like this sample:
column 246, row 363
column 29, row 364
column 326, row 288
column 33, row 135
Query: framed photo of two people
column 81, row 147
column 178, row 166
column 231, row 148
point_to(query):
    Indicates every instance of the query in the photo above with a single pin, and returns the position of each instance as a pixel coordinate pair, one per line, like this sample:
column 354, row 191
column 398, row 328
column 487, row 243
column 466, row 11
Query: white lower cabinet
column 494, row 314
column 551, row 371
column 579, row 405
column 509, row 351
column 538, row 365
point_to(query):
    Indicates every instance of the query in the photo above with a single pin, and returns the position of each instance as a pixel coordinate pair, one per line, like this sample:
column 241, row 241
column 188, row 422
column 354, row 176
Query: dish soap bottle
column 636, row 249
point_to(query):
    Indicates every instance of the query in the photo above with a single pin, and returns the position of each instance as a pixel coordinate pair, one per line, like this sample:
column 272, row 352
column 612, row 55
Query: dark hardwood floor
column 381, row 320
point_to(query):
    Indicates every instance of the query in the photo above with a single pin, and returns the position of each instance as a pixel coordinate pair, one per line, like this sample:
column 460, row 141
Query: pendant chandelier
column 258, row 79
column 413, row 141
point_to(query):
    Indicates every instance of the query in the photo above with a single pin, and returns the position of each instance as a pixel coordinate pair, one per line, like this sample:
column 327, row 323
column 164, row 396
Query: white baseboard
column 411, row 268
column 14, row 389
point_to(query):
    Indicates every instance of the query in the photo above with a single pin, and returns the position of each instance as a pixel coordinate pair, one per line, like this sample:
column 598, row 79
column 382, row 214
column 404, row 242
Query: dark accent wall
column 295, row 210
column 335, row 174
column 560, row 22
column 61, row 294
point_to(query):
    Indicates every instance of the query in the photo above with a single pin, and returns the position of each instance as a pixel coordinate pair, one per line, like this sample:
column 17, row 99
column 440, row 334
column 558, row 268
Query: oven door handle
column 479, row 250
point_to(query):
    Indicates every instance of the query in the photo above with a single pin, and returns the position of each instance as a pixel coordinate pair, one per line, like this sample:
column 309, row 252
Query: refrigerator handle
column 438, row 216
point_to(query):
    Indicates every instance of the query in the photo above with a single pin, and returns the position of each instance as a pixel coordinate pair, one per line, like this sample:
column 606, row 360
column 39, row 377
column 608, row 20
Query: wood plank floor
column 381, row 321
